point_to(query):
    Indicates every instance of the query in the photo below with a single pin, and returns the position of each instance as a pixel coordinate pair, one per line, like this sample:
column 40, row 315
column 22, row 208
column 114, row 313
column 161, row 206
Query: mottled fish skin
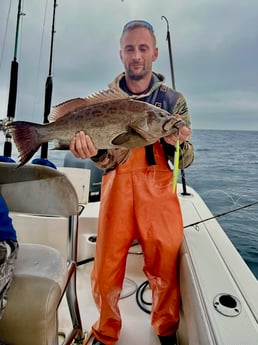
column 111, row 118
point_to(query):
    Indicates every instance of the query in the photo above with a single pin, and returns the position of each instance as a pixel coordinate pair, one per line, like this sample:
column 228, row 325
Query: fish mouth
column 173, row 124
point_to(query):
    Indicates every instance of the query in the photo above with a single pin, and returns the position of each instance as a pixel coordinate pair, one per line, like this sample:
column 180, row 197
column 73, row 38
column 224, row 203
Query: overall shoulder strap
column 160, row 96
column 157, row 100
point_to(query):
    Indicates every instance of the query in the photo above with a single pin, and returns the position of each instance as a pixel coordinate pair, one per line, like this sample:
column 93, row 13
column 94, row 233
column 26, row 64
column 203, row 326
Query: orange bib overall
column 138, row 203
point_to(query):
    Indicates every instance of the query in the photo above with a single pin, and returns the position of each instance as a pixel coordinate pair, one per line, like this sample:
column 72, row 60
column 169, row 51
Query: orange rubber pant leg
column 115, row 235
column 160, row 230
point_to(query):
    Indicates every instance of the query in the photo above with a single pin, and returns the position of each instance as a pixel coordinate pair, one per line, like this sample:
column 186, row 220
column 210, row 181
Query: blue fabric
column 45, row 162
column 6, row 160
column 7, row 231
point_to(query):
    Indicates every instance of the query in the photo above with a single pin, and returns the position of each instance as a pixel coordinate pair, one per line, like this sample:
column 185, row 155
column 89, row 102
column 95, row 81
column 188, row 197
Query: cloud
column 214, row 53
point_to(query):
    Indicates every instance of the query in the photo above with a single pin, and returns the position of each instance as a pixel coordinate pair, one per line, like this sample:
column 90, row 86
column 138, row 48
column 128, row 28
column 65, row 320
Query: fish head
column 152, row 122
column 149, row 123
column 161, row 122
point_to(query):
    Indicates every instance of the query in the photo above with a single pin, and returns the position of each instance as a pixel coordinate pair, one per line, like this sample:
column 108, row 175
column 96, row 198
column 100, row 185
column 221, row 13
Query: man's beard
column 136, row 76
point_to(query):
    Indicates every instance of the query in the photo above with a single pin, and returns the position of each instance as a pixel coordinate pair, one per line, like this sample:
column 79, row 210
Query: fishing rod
column 221, row 214
column 12, row 91
column 170, row 54
column 48, row 97
column 174, row 87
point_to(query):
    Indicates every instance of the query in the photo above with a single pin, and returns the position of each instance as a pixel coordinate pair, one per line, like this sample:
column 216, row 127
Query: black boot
column 97, row 342
column 168, row 340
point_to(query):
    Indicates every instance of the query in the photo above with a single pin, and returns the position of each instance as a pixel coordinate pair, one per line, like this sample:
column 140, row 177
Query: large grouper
column 111, row 118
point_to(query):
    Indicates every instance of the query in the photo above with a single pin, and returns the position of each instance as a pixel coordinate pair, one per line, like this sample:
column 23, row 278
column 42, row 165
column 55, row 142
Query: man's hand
column 182, row 134
column 82, row 146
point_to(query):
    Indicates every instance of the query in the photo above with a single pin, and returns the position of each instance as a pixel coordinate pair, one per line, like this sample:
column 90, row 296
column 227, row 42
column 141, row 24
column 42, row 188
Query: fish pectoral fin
column 121, row 138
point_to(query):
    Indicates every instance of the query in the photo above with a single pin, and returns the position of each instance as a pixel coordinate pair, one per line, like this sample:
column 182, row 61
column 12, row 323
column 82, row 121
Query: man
column 8, row 253
column 137, row 201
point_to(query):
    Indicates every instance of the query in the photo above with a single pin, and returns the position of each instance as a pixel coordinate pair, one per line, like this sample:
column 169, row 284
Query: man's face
column 138, row 52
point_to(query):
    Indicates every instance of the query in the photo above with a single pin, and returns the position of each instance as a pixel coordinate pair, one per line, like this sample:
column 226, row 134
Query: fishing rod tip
column 165, row 18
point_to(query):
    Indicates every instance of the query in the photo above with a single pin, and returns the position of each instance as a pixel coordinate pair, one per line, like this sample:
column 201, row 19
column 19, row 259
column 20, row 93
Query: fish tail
column 26, row 138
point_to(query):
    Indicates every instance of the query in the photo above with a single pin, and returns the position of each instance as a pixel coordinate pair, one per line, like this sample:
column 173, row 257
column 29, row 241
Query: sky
column 214, row 49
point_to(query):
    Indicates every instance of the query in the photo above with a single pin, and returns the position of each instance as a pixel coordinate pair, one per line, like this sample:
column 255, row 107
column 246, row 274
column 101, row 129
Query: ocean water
column 225, row 174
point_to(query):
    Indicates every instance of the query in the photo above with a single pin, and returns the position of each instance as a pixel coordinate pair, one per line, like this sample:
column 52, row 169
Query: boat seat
column 42, row 275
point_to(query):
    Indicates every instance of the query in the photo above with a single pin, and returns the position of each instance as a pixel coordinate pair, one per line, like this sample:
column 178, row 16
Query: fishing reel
column 6, row 157
column 4, row 125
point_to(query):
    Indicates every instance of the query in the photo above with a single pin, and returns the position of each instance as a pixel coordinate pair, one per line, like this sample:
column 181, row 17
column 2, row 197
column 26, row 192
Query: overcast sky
column 215, row 53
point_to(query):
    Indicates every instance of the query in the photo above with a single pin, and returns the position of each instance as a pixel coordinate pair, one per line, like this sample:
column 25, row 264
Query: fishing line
column 221, row 214
column 235, row 198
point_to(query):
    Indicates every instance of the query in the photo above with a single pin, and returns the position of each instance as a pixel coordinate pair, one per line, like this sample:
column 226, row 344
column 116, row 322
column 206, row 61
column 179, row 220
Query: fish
column 111, row 118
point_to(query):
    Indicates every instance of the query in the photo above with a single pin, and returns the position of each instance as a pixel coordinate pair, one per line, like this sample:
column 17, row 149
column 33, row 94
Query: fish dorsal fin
column 106, row 96
column 65, row 108
column 74, row 104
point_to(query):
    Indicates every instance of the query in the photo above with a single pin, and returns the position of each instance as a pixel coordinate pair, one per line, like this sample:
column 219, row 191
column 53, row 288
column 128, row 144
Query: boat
column 218, row 290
